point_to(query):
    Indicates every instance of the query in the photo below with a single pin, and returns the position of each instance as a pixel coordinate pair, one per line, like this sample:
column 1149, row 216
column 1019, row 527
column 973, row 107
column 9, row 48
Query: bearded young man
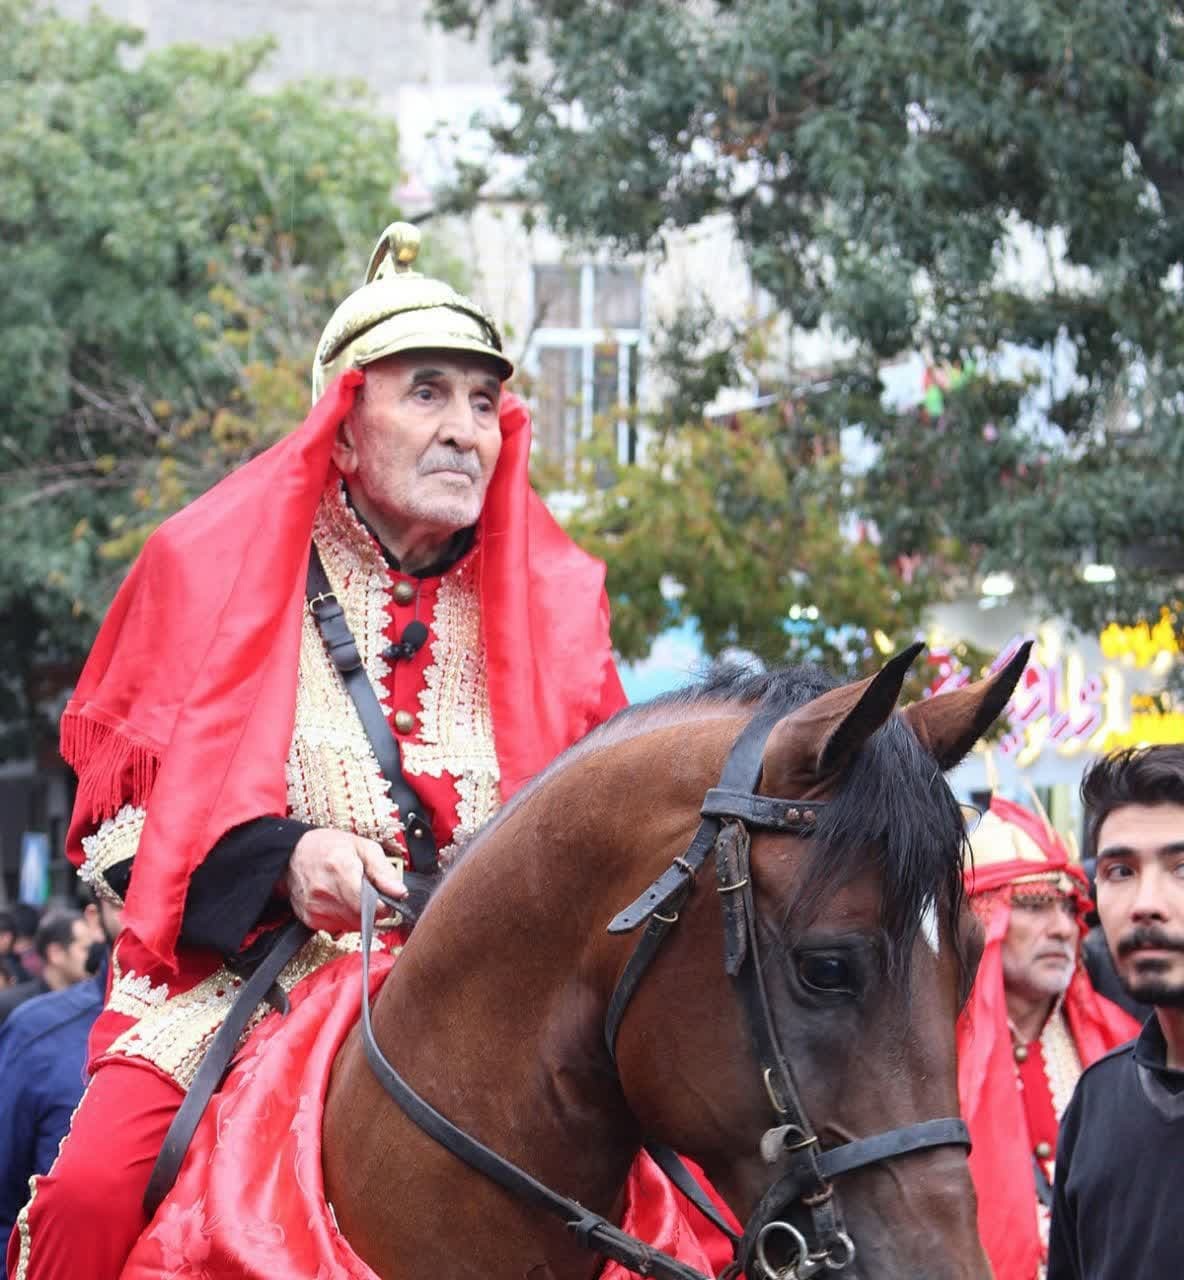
column 224, row 728
column 1032, row 1023
column 1115, row 1211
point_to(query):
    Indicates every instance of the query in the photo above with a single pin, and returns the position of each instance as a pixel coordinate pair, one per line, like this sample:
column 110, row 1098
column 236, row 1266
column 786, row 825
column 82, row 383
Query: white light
column 1099, row 573
column 998, row 584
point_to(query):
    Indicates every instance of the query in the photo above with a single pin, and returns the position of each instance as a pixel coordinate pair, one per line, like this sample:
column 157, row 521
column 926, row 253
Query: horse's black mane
column 892, row 799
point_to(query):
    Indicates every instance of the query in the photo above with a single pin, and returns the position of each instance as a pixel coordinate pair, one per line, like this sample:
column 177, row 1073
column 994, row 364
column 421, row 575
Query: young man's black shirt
column 1120, row 1158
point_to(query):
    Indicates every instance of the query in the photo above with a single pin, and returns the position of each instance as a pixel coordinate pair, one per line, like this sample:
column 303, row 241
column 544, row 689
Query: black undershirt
column 1116, row 1213
column 233, row 888
column 456, row 547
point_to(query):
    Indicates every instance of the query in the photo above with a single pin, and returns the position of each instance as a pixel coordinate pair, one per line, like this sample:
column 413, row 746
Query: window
column 584, row 354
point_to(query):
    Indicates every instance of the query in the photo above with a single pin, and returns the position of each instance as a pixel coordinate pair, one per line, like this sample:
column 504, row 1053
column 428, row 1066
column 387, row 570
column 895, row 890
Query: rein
column 590, row 1229
column 730, row 812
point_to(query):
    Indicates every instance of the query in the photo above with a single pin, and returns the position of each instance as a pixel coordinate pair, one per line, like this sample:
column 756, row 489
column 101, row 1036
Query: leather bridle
column 729, row 813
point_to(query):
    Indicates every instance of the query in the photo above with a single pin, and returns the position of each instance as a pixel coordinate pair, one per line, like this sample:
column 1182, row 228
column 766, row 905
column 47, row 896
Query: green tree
column 171, row 241
column 883, row 165
column 732, row 524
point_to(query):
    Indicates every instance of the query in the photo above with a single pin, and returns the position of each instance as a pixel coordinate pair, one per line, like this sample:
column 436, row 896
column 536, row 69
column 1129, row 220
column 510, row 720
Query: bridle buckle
column 777, row 1104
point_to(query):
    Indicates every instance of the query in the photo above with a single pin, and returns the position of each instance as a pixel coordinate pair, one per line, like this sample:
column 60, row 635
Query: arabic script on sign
column 1057, row 704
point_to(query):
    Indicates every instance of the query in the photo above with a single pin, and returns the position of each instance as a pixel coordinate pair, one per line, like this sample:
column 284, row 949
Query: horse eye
column 825, row 973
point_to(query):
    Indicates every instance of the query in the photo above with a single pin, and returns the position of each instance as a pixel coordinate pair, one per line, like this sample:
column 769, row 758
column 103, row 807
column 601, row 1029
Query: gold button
column 404, row 721
column 404, row 593
column 1021, row 1053
column 1043, row 1150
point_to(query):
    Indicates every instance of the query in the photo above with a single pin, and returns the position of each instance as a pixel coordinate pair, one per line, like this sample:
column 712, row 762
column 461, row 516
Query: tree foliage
column 171, row 241
column 995, row 183
column 732, row 524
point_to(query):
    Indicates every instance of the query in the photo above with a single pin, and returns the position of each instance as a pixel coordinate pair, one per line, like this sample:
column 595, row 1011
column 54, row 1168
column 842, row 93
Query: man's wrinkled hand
column 324, row 878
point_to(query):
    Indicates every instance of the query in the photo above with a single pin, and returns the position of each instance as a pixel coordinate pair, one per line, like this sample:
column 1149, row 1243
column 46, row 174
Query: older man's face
column 1141, row 899
column 1040, row 949
column 421, row 443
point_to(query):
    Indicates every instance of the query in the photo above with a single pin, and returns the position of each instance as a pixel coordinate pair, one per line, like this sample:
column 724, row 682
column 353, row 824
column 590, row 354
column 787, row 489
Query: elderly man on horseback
column 343, row 659
column 256, row 726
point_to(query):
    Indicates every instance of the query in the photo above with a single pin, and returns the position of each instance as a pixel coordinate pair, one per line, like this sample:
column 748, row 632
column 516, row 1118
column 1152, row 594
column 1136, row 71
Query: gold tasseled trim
column 174, row 1033
column 1062, row 1063
column 115, row 841
column 332, row 773
column 134, row 995
column 333, row 776
column 22, row 1228
column 456, row 726
column 1062, row 1070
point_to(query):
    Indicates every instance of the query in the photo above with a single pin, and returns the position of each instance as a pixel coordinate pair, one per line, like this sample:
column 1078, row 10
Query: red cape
column 189, row 690
column 1000, row 1160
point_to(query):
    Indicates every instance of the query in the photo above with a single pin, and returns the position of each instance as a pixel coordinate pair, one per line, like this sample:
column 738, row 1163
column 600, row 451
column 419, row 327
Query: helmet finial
column 396, row 250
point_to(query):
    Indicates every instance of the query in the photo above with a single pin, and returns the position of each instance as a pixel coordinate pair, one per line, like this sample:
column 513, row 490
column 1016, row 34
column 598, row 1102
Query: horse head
column 864, row 952
column 790, row 1025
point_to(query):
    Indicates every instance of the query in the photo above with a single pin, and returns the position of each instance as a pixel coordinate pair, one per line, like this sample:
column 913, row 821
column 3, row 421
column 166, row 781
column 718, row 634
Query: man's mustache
column 1146, row 938
column 445, row 459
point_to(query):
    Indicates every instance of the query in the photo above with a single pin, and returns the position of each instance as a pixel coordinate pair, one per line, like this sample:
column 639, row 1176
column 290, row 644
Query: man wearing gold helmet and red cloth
column 230, row 772
column 1032, row 1024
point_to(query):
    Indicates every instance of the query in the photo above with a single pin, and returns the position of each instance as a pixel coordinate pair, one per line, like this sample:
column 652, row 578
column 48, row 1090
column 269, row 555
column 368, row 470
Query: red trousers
column 85, row 1214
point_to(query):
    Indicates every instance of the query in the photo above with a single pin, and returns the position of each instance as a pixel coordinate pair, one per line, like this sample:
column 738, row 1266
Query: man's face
column 1141, row 899
column 69, row 960
column 1040, row 949
column 422, row 441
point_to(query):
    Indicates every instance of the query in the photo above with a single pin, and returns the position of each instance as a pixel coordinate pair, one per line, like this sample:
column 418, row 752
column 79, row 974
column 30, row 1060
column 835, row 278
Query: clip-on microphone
column 408, row 644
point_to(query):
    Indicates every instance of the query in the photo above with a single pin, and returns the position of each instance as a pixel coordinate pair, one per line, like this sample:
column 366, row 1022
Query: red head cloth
column 1019, row 849
column 189, row 691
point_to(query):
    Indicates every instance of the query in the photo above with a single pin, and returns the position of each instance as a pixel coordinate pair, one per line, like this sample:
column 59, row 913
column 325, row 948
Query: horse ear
column 817, row 740
column 951, row 723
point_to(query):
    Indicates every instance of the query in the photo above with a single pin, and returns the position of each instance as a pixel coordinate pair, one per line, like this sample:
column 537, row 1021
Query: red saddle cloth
column 250, row 1201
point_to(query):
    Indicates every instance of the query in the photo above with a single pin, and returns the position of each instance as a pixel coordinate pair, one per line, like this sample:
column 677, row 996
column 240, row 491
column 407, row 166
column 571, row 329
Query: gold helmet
column 397, row 309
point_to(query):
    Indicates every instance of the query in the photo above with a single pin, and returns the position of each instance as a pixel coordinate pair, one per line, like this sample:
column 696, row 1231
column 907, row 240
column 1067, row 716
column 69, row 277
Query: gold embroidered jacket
column 438, row 705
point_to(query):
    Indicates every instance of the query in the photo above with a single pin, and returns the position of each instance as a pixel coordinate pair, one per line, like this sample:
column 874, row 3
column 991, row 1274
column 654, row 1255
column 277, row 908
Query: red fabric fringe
column 112, row 769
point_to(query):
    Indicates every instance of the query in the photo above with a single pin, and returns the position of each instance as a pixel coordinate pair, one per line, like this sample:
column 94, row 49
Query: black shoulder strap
column 339, row 641
column 216, row 1061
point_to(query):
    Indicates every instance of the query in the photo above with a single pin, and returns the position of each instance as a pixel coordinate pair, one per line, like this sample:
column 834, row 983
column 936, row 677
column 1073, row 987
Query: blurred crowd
column 43, row 951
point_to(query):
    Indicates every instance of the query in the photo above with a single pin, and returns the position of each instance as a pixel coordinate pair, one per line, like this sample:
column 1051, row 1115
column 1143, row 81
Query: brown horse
column 495, row 1011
